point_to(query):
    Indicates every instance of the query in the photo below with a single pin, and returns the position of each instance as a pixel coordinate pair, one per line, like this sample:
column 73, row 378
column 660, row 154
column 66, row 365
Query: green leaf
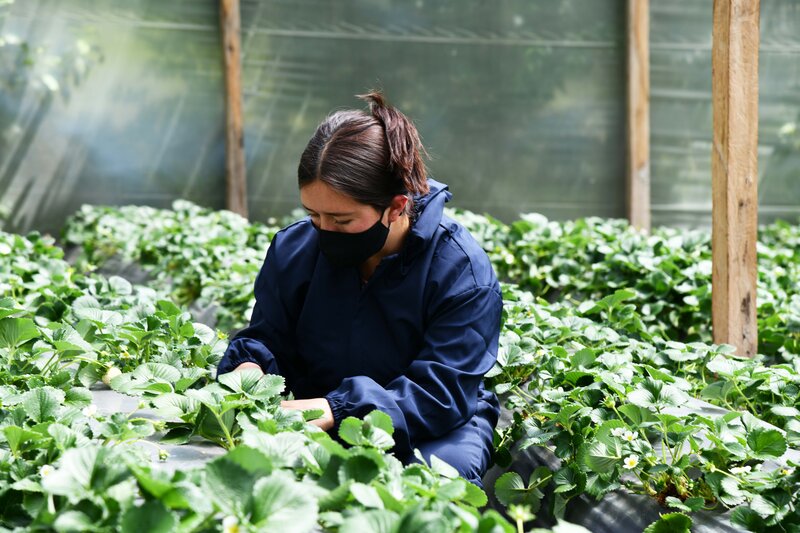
column 366, row 495
column 253, row 460
column 157, row 372
column 637, row 415
column 228, row 484
column 312, row 414
column 253, row 383
column 78, row 397
column 511, row 489
column 725, row 366
column 204, row 333
column 380, row 420
column 600, row 458
column 152, row 517
column 17, row 437
column 442, row 468
column 371, row 521
column 173, row 405
column 363, row 433
column 120, row 285
column 359, row 468
column 67, row 339
column 493, row 522
column 281, row 504
column 670, row 523
column 43, row 403
column 766, row 443
column 475, row 496
column 82, row 472
column 14, row 332
column 748, row 519
column 73, row 521
column 87, row 308
column 785, row 410
column 653, row 394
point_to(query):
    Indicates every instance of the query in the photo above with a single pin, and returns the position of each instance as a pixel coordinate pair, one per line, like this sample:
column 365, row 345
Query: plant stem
column 228, row 437
column 522, row 393
column 746, row 401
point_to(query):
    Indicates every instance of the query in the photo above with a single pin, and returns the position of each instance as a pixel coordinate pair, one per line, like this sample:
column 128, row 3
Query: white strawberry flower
column 630, row 462
column 46, row 470
column 736, row 470
column 786, row 471
column 90, row 411
column 629, row 436
column 230, row 524
column 618, row 432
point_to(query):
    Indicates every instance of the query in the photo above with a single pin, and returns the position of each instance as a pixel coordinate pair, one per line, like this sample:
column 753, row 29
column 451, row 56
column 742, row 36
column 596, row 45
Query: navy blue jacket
column 414, row 342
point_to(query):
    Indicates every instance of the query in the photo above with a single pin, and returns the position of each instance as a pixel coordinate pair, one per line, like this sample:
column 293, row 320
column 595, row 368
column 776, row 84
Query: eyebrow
column 351, row 213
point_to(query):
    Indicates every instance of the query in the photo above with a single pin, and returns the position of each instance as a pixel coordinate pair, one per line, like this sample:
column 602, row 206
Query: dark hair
column 370, row 157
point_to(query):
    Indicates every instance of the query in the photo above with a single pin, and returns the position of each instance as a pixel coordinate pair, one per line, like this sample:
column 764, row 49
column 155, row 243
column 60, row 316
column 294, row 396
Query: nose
column 325, row 224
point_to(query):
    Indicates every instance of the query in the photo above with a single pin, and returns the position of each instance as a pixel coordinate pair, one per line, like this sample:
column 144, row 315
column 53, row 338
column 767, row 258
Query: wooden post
column 235, row 172
column 638, row 111
column 734, row 170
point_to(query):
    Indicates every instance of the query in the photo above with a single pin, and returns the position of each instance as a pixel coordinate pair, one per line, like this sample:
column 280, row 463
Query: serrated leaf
column 600, row 458
column 766, row 443
column 670, row 523
column 43, row 403
column 509, row 488
column 371, row 521
column 152, row 517
column 14, row 332
column 87, row 308
column 157, row 372
column 173, row 405
column 281, row 504
column 366, row 495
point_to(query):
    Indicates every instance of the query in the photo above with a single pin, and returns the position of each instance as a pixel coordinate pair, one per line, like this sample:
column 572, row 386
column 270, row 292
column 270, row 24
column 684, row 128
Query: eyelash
column 315, row 216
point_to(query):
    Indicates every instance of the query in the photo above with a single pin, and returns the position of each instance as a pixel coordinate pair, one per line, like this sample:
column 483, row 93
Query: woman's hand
column 244, row 366
column 325, row 421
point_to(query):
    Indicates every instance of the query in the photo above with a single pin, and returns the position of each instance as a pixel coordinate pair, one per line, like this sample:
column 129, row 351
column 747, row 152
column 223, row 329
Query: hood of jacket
column 428, row 211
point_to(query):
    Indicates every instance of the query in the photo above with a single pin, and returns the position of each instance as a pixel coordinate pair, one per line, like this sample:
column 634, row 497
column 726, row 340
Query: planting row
column 668, row 272
column 621, row 412
column 210, row 256
column 595, row 381
column 66, row 466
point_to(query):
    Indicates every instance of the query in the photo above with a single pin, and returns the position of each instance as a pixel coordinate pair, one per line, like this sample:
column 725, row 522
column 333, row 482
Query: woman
column 377, row 300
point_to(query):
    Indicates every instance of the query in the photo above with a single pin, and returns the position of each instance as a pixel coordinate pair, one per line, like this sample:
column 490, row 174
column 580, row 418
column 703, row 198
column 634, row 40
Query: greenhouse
column 351, row 266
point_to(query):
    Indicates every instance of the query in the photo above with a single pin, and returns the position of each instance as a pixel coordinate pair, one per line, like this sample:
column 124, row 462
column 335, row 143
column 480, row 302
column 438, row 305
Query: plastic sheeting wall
column 680, row 114
column 108, row 102
column 520, row 102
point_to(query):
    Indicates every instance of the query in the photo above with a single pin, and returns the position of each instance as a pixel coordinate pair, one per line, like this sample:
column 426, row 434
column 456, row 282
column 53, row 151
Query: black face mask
column 352, row 249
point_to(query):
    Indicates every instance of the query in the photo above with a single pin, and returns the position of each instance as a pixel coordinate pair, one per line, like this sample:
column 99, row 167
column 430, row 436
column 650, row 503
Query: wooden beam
column 638, row 114
column 734, row 169
column 235, row 171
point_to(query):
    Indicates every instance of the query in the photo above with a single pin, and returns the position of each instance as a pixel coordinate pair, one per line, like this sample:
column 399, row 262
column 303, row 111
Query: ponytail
column 370, row 157
column 402, row 139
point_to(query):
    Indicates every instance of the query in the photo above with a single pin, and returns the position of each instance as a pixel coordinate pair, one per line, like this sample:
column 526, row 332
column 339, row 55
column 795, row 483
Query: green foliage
column 66, row 466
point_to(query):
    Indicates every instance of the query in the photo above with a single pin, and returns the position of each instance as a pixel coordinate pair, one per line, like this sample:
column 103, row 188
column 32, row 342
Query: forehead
column 322, row 198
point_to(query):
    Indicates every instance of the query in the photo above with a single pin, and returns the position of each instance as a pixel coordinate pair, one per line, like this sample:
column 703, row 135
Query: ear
column 397, row 207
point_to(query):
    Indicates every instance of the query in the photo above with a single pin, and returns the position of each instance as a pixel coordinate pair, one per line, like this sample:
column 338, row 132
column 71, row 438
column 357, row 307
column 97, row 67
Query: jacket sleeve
column 267, row 334
column 439, row 390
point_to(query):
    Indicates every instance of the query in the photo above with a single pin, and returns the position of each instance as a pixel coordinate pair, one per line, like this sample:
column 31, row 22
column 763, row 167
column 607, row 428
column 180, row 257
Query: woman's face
column 333, row 211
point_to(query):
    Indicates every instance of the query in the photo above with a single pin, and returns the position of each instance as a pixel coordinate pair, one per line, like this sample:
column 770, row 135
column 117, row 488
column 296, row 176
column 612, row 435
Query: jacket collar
column 428, row 210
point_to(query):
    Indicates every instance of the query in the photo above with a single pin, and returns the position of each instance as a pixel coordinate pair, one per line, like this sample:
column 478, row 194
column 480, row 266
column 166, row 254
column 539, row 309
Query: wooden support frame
column 235, row 171
column 638, row 114
column 734, row 169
